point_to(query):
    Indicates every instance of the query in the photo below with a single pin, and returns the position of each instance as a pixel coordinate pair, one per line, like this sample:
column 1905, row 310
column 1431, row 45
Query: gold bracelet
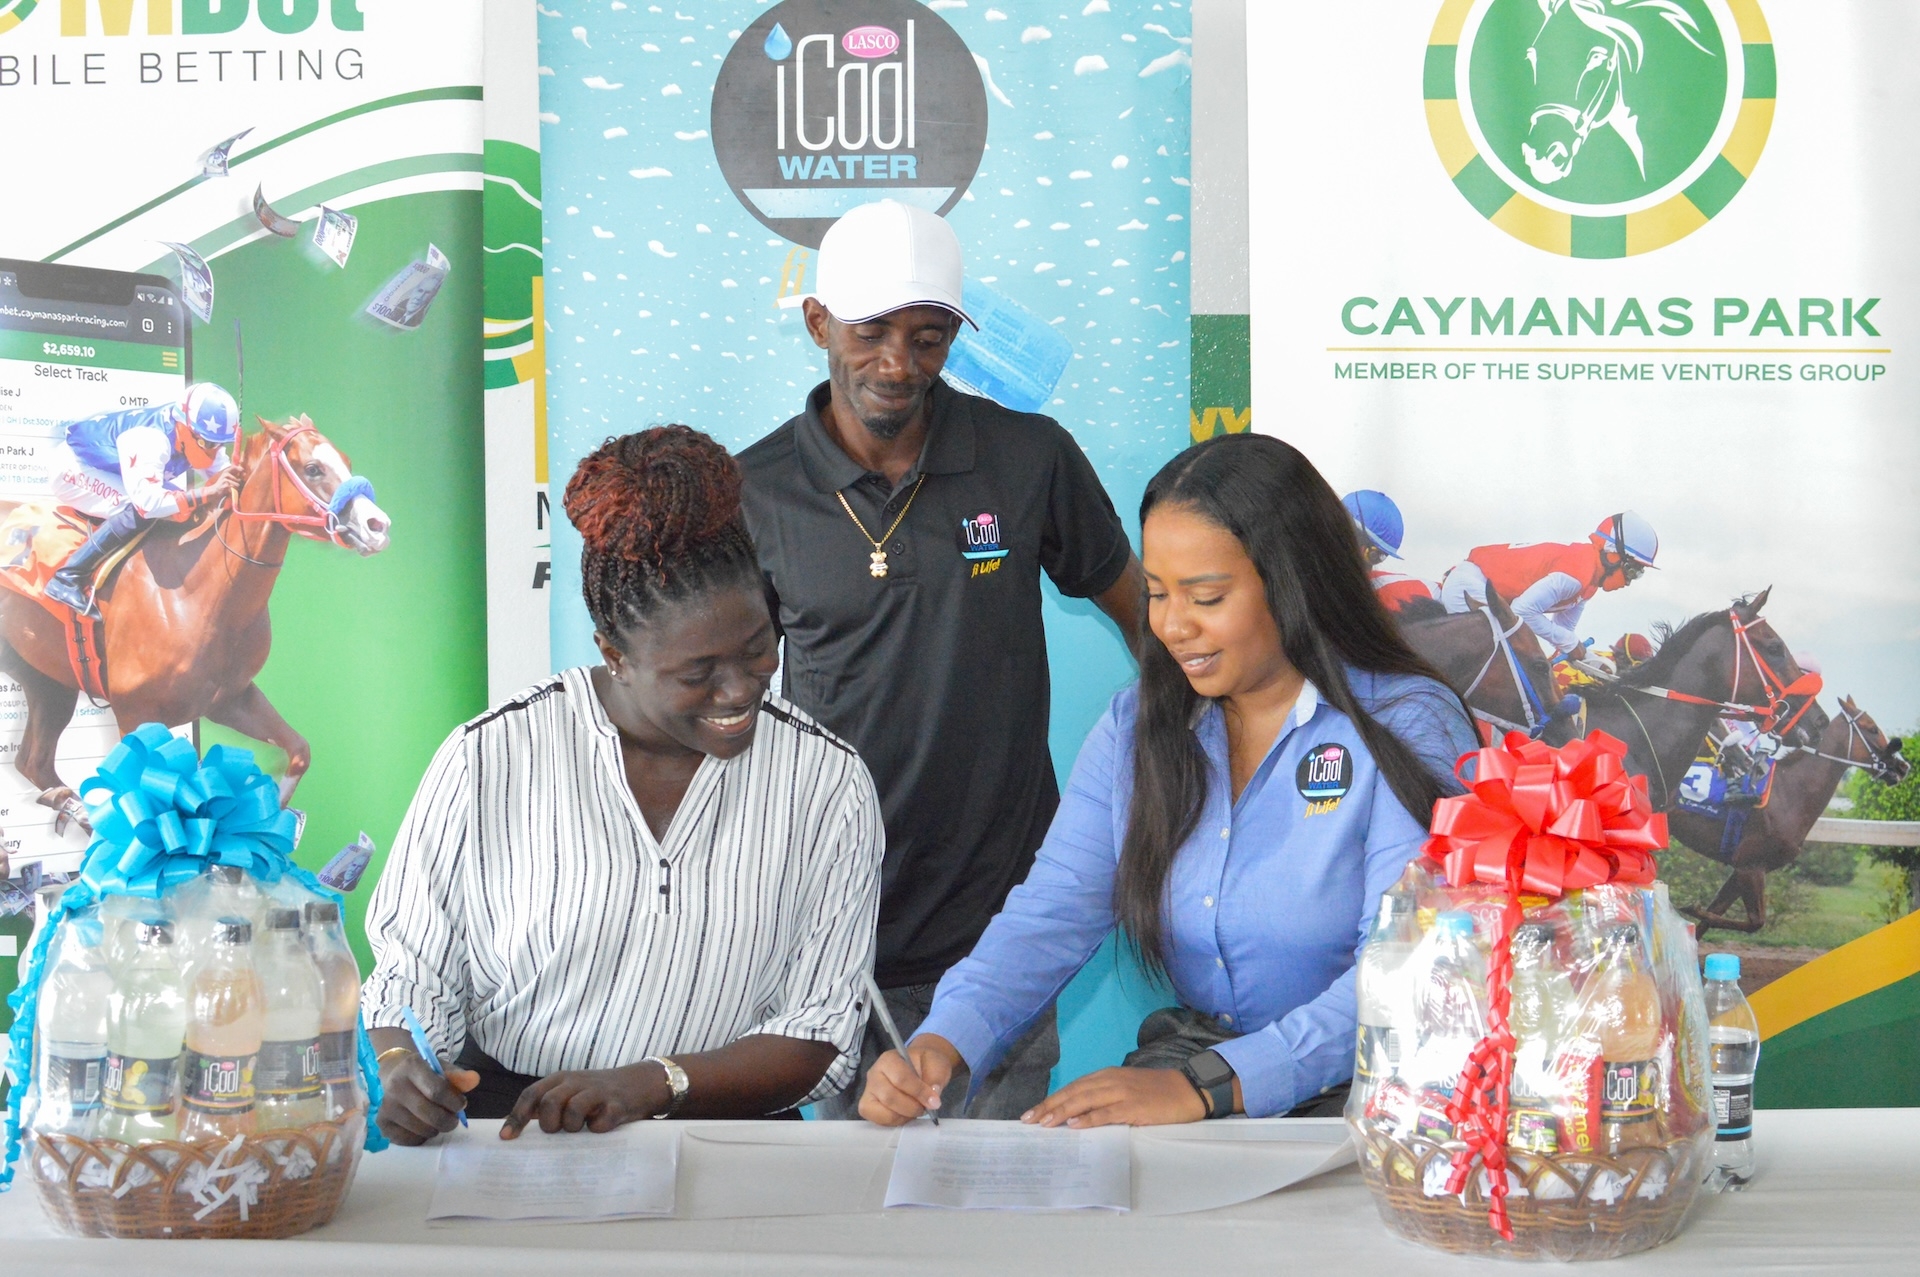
column 379, row 1061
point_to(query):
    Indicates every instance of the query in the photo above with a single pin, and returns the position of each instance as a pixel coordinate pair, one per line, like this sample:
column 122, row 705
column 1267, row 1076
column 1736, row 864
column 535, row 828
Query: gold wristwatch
column 676, row 1082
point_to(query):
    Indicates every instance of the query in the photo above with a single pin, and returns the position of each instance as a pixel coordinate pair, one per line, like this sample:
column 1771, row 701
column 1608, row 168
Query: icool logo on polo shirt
column 980, row 543
column 1324, row 777
column 824, row 105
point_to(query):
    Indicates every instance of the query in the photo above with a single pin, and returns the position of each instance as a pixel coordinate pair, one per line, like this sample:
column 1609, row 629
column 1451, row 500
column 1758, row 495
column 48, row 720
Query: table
column 1837, row 1190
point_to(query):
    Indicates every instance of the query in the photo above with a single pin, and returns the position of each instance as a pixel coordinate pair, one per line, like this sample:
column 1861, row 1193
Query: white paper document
column 625, row 1174
column 967, row 1165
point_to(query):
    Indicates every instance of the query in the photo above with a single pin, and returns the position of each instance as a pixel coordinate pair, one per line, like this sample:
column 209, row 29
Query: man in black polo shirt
column 903, row 526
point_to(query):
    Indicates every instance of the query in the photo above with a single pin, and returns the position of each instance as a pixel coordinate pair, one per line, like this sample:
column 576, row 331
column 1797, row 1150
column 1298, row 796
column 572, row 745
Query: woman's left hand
column 590, row 1100
column 1121, row 1097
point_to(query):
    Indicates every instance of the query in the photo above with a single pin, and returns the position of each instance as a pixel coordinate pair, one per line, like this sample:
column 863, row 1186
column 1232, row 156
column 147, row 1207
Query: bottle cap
column 1534, row 935
column 322, row 912
column 283, row 919
column 228, row 874
column 1723, row 966
column 1625, row 933
column 1455, row 922
column 233, row 931
column 154, row 931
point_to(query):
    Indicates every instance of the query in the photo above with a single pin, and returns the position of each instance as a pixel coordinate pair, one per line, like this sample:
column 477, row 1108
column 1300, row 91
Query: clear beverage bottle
column 71, row 1031
column 1379, row 989
column 1622, row 1012
column 225, row 1025
column 1450, row 1012
column 1540, row 1016
column 222, row 892
column 1733, row 1037
column 287, row 1088
column 121, row 918
column 339, row 1008
column 146, row 1028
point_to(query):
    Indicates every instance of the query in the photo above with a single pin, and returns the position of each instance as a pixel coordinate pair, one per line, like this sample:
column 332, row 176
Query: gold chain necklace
column 878, row 567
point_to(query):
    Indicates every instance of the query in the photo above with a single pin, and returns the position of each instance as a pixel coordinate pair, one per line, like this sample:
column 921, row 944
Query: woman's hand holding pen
column 894, row 1096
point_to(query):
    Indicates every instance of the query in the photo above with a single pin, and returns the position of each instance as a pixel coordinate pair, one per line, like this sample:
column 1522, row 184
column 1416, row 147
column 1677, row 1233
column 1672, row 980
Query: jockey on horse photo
column 1548, row 583
column 1377, row 519
column 164, row 461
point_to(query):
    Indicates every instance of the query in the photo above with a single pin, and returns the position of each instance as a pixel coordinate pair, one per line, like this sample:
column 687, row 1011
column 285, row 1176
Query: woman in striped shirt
column 644, row 889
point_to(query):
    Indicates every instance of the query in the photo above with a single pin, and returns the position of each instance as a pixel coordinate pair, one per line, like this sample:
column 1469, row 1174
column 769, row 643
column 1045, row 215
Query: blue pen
column 425, row 1048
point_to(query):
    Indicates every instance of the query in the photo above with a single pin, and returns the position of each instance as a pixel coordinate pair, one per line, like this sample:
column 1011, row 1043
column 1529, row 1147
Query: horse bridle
column 1780, row 693
column 1584, row 118
column 325, row 516
column 1876, row 765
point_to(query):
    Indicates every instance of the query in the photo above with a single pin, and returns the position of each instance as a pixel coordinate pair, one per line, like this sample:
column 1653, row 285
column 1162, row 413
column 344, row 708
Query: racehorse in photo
column 1726, row 664
column 1493, row 661
column 1584, row 59
column 1803, row 784
column 186, row 620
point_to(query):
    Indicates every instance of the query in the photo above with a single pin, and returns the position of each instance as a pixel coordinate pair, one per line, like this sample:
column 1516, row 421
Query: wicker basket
column 271, row 1184
column 1564, row 1206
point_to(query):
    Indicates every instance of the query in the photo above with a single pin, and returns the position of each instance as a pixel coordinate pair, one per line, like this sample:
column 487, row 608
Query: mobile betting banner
column 1601, row 302
column 694, row 155
column 276, row 204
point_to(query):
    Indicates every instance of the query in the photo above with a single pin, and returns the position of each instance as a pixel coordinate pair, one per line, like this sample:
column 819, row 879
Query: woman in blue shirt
column 1237, row 813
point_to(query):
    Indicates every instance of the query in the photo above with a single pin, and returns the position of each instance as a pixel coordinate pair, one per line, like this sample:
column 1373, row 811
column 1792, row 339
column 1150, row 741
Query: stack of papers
column 625, row 1174
column 1008, row 1166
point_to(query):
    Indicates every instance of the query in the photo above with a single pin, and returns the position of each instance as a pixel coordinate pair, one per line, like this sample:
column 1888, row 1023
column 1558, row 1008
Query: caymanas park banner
column 1603, row 304
column 276, row 203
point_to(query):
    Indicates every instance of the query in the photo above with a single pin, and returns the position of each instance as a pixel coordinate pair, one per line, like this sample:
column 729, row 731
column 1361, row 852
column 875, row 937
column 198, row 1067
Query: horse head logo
column 1583, row 59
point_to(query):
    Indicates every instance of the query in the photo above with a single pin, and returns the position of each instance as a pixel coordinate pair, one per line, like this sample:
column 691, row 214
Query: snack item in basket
column 339, row 1008
column 1449, row 998
column 225, row 1022
column 286, row 1083
column 72, row 1031
column 146, row 1028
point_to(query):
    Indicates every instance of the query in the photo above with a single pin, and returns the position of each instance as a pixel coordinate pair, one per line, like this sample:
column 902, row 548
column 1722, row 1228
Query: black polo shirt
column 936, row 673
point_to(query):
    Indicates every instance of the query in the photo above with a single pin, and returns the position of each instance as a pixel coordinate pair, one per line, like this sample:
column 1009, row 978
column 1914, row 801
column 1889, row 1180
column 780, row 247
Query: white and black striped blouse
column 527, row 903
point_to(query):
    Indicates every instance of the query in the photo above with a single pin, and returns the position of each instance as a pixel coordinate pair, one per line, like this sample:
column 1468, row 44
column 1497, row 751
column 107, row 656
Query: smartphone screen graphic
column 74, row 342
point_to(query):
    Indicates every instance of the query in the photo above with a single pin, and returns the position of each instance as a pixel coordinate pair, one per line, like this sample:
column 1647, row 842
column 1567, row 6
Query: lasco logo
column 823, row 105
column 189, row 17
column 980, row 543
column 1324, row 777
column 1599, row 128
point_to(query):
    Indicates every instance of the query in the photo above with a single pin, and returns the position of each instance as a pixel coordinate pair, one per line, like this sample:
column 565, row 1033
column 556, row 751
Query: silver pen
column 893, row 1034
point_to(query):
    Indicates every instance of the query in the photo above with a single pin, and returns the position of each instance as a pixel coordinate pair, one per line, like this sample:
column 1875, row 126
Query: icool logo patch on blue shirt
column 1324, row 777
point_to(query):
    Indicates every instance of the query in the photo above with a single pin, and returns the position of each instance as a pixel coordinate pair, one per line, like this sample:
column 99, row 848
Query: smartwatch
column 1212, row 1076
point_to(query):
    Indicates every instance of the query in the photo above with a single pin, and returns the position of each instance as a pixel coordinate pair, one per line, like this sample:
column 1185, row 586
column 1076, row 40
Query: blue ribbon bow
column 161, row 816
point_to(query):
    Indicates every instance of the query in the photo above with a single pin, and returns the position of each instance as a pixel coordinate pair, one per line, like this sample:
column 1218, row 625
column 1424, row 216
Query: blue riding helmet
column 1375, row 514
column 210, row 412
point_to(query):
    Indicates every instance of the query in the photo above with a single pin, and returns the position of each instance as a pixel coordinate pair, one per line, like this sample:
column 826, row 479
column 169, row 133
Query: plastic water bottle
column 287, row 1088
column 146, row 1027
column 1541, row 1017
column 1379, row 992
column 1622, row 1012
column 225, row 1023
column 1733, row 1036
column 1450, row 1009
column 72, row 1031
column 221, row 893
column 339, row 1008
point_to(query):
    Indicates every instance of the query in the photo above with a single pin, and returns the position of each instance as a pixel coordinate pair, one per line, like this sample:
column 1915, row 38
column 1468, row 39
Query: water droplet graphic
column 779, row 44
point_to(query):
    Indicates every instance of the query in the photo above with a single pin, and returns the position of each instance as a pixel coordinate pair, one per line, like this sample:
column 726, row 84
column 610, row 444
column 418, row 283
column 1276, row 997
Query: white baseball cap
column 886, row 256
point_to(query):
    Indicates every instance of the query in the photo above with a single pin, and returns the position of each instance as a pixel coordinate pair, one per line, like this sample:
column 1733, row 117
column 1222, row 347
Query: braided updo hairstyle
column 659, row 512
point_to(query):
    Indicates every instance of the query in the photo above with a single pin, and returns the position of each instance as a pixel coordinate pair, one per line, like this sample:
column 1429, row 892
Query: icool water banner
column 238, row 237
column 693, row 156
column 1603, row 304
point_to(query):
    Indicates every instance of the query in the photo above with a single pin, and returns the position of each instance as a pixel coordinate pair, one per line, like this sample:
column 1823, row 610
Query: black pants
column 500, row 1086
column 1171, row 1036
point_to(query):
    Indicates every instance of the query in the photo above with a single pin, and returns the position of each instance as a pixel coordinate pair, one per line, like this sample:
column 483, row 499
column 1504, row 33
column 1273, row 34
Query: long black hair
column 1303, row 543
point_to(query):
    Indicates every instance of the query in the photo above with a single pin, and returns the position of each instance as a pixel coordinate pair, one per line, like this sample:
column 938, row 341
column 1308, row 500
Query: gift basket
column 1531, row 1079
column 187, row 1041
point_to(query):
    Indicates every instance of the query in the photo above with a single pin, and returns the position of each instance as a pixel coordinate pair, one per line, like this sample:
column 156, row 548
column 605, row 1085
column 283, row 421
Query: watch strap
column 676, row 1082
column 1211, row 1075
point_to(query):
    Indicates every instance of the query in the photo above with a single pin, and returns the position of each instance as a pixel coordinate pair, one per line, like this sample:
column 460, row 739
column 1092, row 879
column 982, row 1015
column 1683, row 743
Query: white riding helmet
column 1630, row 537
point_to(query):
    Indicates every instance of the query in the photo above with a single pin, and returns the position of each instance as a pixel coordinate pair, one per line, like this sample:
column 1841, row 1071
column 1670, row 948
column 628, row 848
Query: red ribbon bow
column 1541, row 821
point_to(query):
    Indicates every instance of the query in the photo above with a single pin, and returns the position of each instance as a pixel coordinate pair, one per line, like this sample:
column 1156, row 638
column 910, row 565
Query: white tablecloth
column 1836, row 1191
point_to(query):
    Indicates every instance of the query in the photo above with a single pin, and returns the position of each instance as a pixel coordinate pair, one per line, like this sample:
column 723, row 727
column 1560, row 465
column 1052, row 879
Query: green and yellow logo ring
column 14, row 12
column 1599, row 128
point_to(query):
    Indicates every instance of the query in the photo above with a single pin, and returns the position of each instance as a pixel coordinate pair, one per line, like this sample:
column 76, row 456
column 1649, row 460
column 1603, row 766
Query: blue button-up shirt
column 1268, row 901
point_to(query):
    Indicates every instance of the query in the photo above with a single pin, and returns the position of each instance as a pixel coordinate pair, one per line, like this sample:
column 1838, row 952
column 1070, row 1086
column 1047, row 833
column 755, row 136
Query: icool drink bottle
column 1625, row 1021
column 1381, row 1003
column 287, row 1086
column 339, row 1008
column 146, row 1028
column 71, row 1031
column 225, row 1025
column 1540, row 1016
column 222, row 892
